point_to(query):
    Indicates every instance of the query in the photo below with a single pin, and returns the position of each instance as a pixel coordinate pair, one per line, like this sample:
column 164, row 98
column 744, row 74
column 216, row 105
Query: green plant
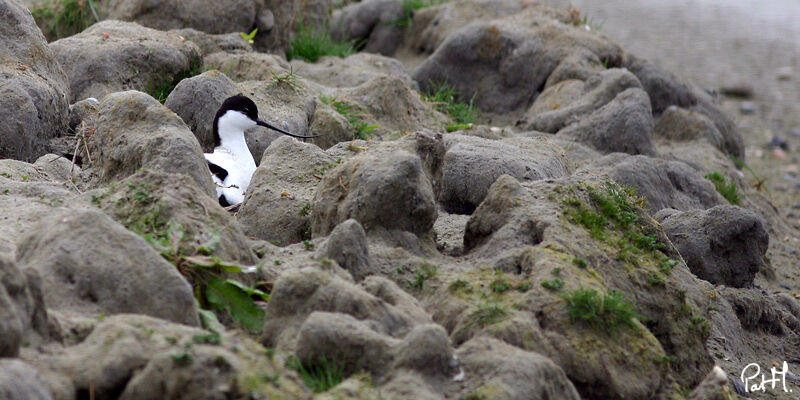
column 61, row 18
column 524, row 287
column 409, row 6
column 445, row 99
column 163, row 86
column 665, row 265
column 459, row 285
column 305, row 210
column 207, row 273
column 249, row 37
column 728, row 190
column 321, row 375
column 309, row 245
column 354, row 116
column 580, row 262
column 488, row 314
column 500, row 286
column 6, row 174
column 611, row 216
column 759, row 182
column 182, row 359
column 457, row 127
column 423, row 273
column 655, row 280
column 310, row 43
column 207, row 338
column 554, row 285
column 288, row 78
column 604, row 313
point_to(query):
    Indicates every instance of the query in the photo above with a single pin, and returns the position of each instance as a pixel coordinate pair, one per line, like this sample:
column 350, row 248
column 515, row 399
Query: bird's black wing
column 219, row 172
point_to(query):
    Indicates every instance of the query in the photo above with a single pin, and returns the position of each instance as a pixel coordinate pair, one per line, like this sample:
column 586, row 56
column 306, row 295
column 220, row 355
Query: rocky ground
column 603, row 230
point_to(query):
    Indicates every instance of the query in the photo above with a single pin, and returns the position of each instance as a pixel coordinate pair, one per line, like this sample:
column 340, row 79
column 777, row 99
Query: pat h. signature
column 755, row 381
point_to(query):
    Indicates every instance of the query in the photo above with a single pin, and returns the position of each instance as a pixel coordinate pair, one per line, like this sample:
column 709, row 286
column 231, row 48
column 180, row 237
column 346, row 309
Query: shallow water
column 711, row 42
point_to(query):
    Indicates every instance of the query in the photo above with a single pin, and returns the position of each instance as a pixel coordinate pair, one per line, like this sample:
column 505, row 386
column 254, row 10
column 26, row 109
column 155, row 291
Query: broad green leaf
column 208, row 320
column 223, row 294
column 212, row 262
column 249, row 290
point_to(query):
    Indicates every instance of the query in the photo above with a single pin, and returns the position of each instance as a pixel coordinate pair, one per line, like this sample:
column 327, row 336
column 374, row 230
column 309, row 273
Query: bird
column 231, row 164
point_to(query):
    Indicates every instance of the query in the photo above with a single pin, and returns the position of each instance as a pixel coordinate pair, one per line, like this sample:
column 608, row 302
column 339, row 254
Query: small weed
column 759, row 182
column 524, row 287
column 24, row 178
column 288, row 78
column 97, row 200
column 460, row 285
column 182, row 359
column 6, row 174
column 322, row 170
column 305, row 210
column 666, row 359
column 409, row 6
column 445, row 99
column 665, row 266
column 207, row 338
column 310, row 43
column 249, row 37
column 500, row 286
column 580, row 262
column 161, row 89
column 321, row 375
column 423, row 273
column 5, row 191
column 604, row 313
column 457, row 127
column 554, row 285
column 309, row 245
column 655, row 280
column 61, row 18
column 354, row 116
column 645, row 242
column 728, row 190
column 488, row 314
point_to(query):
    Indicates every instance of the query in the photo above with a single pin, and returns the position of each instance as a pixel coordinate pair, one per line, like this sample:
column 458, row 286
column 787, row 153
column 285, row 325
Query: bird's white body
column 233, row 156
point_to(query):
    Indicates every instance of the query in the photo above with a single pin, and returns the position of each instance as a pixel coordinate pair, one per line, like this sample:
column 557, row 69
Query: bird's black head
column 240, row 103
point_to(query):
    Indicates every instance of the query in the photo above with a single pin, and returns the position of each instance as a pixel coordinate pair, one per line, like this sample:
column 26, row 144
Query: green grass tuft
column 445, row 99
column 422, row 274
column 354, row 116
column 603, row 313
column 554, row 285
column 310, row 43
column 459, row 285
column 321, row 375
column 409, row 6
column 160, row 89
column 728, row 190
column 500, row 286
column 61, row 18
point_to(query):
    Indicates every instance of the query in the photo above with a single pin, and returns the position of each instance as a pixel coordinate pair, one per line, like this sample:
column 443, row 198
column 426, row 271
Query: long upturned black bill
column 264, row 124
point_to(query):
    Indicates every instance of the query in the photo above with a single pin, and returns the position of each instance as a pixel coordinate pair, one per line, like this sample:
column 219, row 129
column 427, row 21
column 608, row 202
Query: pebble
column 784, row 73
column 748, row 107
column 742, row 91
column 779, row 154
column 785, row 286
column 778, row 141
column 795, row 132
